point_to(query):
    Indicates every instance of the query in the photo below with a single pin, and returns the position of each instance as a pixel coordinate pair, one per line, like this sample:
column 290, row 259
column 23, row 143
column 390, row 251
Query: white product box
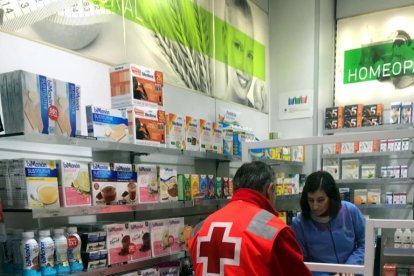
column 405, row 144
column 227, row 141
column 383, row 145
column 118, row 241
column 333, row 170
column 404, row 171
column 397, row 144
column 74, row 183
column 146, row 126
column 104, row 186
column 350, row 169
column 176, row 226
column 347, row 147
column 18, row 186
column 374, row 196
column 298, row 153
column 148, row 272
column 206, row 135
column 5, row 184
column 161, row 239
column 368, row 171
column 41, row 183
column 217, row 143
column 366, row 146
column 136, row 85
column 395, row 113
column 406, row 112
column 175, row 131
column 68, row 105
column 107, row 124
column 140, row 238
column 148, row 190
column 192, row 133
column 396, row 198
column 168, row 184
column 126, row 183
column 390, row 144
column 28, row 103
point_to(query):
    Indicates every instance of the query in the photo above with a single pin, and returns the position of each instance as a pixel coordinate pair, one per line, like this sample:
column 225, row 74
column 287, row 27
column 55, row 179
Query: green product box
column 184, row 187
column 218, row 188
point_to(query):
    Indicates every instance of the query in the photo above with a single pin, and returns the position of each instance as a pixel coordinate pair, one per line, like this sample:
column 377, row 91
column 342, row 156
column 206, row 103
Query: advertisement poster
column 375, row 58
column 218, row 48
column 296, row 104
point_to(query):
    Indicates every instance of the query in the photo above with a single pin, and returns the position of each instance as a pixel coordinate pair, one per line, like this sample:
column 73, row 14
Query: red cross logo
column 218, row 249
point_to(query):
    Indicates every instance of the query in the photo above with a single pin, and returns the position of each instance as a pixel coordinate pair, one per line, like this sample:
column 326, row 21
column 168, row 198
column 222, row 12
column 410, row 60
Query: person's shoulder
column 349, row 205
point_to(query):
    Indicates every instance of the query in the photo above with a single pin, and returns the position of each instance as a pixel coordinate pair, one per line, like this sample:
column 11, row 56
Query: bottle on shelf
column 61, row 252
column 7, row 252
column 30, row 254
column 17, row 256
column 74, row 246
column 398, row 238
column 46, row 254
column 406, row 238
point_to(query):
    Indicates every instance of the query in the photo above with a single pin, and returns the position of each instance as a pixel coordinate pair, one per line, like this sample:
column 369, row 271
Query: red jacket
column 245, row 238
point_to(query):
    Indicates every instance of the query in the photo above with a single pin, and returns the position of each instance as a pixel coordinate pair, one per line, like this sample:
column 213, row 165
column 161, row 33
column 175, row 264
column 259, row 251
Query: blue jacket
column 341, row 241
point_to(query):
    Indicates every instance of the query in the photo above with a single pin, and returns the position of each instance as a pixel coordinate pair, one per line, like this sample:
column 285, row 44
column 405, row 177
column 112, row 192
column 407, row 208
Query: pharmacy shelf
column 273, row 162
column 386, row 206
column 210, row 204
column 373, row 181
column 132, row 266
column 399, row 252
column 288, row 197
column 104, row 146
column 388, row 154
column 370, row 128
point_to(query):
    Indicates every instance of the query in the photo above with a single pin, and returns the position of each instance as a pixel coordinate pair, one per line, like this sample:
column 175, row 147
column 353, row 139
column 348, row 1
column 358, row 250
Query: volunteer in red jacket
column 246, row 237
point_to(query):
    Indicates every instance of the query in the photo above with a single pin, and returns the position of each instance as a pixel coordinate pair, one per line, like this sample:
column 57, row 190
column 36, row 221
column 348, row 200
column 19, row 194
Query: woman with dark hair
column 329, row 230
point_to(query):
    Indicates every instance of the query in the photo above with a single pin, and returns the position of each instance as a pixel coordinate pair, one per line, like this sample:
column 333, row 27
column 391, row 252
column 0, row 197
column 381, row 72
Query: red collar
column 254, row 197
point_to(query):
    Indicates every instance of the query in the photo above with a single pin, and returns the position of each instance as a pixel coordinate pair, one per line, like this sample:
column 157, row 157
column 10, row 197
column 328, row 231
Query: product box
column 195, row 186
column 148, row 272
column 218, row 187
column 169, row 268
column 238, row 138
column 360, row 196
column 298, row 153
column 334, row 123
column 374, row 196
column 147, row 181
column 206, row 135
column 5, row 185
column 203, row 185
column 350, row 169
column 349, row 147
column 353, row 110
column 146, row 126
column 231, row 187
column 94, row 259
column 331, row 148
column 351, row 122
column 160, row 237
column 406, row 112
column 345, row 194
column 134, row 84
column 395, row 113
column 176, row 227
column 368, row 146
column 118, row 243
column 383, row 145
column 372, row 110
column 227, row 141
column 107, row 124
column 175, row 131
column 336, row 112
column 211, row 186
column 405, row 144
column 397, row 144
column 217, row 138
column 41, row 177
column 371, row 121
column 104, row 186
column 192, row 133
column 368, row 171
column 184, row 187
column 74, row 183
column 225, row 184
column 140, row 239
column 28, row 103
column 286, row 154
column 67, row 102
column 126, row 183
column 168, row 184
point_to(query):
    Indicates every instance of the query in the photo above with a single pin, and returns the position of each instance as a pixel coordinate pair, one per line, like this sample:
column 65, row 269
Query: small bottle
column 398, row 238
column 8, row 252
column 17, row 256
column 61, row 252
column 47, row 254
column 406, row 238
column 30, row 254
column 74, row 246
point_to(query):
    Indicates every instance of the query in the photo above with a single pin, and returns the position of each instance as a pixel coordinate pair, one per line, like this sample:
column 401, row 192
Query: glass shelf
column 132, row 266
column 389, row 154
column 399, row 252
column 370, row 128
column 97, row 146
column 385, row 206
column 274, row 162
column 372, row 181
column 110, row 209
column 288, row 197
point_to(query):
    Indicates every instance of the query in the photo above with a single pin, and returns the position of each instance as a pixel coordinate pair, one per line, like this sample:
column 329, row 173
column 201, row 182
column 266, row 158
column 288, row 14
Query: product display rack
column 399, row 252
column 386, row 127
column 275, row 162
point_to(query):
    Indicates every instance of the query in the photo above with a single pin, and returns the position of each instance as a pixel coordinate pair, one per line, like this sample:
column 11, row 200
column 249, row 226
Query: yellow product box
column 175, row 131
column 136, row 85
column 286, row 154
column 374, row 196
column 298, row 153
column 192, row 133
column 195, row 185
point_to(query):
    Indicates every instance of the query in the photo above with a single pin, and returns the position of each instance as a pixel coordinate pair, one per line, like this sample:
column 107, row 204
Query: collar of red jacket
column 256, row 198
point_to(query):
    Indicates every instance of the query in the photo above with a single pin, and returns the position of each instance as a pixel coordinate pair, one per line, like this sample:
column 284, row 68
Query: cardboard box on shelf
column 360, row 196
column 335, row 112
column 406, row 112
column 372, row 110
column 107, row 124
column 175, row 131
column 134, row 84
column 160, row 237
column 148, row 188
column 74, row 183
column 206, row 135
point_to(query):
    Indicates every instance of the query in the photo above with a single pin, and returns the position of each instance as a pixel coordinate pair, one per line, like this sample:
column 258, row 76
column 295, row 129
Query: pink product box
column 118, row 243
column 148, row 188
column 140, row 238
column 161, row 239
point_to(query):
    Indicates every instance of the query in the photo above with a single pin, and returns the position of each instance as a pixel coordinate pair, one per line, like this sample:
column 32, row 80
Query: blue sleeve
column 297, row 227
column 358, row 220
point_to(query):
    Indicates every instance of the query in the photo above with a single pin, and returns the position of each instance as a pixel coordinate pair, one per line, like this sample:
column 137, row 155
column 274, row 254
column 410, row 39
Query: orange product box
column 146, row 126
column 372, row 110
column 353, row 110
column 134, row 84
column 389, row 270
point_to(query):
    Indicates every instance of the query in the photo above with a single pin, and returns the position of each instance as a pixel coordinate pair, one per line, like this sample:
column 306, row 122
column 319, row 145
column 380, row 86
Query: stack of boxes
column 334, row 117
column 352, row 116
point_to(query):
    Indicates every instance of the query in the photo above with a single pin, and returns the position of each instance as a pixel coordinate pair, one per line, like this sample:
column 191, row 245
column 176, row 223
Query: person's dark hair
column 323, row 181
column 255, row 175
